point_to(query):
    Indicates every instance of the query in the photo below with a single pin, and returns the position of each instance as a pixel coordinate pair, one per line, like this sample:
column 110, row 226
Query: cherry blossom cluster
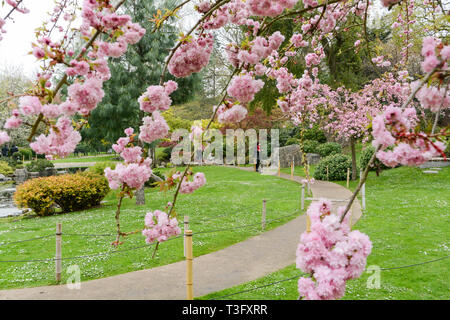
column 135, row 171
column 89, row 69
column 60, row 142
column 159, row 227
column 244, row 87
column 192, row 56
column 395, row 129
column 330, row 253
column 189, row 186
column 269, row 8
column 229, row 113
column 156, row 98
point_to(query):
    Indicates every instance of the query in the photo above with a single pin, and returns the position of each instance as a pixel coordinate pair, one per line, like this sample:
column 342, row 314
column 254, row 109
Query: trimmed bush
column 337, row 168
column 364, row 159
column 71, row 192
column 315, row 134
column 447, row 149
column 99, row 167
column 5, row 168
column 310, row 146
column 328, row 149
column 39, row 165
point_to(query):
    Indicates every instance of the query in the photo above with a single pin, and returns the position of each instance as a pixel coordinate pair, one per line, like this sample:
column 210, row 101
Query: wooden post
column 263, row 217
column 363, row 191
column 328, row 178
column 348, row 177
column 189, row 266
column 279, row 169
column 186, row 227
column 308, row 223
column 292, row 169
column 303, row 197
column 58, row 267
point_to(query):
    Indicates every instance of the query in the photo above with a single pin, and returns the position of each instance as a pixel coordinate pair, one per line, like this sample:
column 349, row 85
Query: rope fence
column 188, row 246
column 300, row 275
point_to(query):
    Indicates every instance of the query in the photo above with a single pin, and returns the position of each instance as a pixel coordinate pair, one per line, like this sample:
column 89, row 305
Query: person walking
column 258, row 161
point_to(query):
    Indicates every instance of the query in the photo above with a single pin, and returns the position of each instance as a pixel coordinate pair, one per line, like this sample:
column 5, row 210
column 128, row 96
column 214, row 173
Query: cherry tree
column 329, row 251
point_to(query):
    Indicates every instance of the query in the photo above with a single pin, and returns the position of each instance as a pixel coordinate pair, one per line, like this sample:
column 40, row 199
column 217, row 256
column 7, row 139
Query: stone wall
column 288, row 153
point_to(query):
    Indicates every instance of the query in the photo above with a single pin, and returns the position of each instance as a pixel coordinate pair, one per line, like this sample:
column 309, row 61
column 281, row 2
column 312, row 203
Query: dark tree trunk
column 352, row 145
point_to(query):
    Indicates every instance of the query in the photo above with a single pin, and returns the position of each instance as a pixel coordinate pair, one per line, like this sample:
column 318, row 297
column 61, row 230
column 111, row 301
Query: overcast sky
column 17, row 40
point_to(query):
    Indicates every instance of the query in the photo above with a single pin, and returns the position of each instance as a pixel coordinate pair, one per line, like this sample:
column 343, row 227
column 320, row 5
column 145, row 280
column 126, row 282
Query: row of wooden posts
column 188, row 247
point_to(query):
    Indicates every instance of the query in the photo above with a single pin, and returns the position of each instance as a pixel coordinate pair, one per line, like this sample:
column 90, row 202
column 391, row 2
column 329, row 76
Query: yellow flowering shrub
column 71, row 192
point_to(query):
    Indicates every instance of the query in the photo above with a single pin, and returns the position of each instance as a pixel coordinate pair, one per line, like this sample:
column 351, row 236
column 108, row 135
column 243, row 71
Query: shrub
column 364, row 159
column 313, row 133
column 5, row 168
column 328, row 149
column 99, row 167
column 337, row 167
column 27, row 153
column 165, row 155
column 292, row 141
column 39, row 165
column 310, row 146
column 447, row 149
column 71, row 192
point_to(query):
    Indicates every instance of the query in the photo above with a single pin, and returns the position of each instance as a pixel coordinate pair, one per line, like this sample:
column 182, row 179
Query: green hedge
column 328, row 149
column 364, row 159
column 5, row 168
column 310, row 146
column 337, row 165
column 71, row 192
column 39, row 165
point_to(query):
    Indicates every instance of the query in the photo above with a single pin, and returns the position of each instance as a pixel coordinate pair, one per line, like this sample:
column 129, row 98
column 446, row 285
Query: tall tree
column 130, row 76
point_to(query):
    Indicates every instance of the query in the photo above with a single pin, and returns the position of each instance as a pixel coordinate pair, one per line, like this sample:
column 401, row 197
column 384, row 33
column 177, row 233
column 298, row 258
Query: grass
column 407, row 219
column 86, row 159
column 230, row 198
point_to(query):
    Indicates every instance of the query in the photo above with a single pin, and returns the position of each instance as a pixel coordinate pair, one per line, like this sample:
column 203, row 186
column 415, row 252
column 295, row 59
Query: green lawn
column 100, row 158
column 230, row 198
column 407, row 219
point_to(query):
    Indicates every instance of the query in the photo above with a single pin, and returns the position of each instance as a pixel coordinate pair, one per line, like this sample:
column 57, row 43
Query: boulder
column 20, row 175
column 312, row 158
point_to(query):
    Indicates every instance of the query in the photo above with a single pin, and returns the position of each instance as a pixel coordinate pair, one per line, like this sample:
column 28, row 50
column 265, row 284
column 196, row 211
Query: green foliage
column 5, row 168
column 310, row 146
column 329, row 148
column 292, row 141
column 27, row 153
column 39, row 165
column 337, row 165
column 315, row 134
column 71, row 192
column 447, row 150
column 165, row 155
column 99, row 167
column 364, row 158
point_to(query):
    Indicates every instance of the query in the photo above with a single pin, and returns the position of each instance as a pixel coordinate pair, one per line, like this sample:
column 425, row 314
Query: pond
column 7, row 207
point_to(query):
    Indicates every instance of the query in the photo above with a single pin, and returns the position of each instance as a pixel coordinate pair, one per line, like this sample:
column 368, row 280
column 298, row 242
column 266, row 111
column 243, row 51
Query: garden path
column 242, row 262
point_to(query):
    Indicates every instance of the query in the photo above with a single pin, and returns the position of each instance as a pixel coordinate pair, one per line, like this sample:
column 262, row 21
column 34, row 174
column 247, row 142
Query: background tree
column 130, row 75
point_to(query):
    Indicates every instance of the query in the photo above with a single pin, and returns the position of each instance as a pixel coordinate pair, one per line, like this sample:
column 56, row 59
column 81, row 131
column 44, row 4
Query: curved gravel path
column 239, row 263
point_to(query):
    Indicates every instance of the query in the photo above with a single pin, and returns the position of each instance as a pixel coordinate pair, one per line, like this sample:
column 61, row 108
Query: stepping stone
column 430, row 171
column 436, row 168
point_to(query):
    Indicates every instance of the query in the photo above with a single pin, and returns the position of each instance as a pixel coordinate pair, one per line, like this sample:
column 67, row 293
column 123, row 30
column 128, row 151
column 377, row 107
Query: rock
column 49, row 172
column 313, row 158
column 20, row 175
column 289, row 153
column 4, row 178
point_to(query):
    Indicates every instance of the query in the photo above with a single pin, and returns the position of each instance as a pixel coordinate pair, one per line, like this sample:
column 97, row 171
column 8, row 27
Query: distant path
column 67, row 165
column 239, row 263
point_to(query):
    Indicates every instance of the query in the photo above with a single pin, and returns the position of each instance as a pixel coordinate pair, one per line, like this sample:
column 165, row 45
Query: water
column 7, row 207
